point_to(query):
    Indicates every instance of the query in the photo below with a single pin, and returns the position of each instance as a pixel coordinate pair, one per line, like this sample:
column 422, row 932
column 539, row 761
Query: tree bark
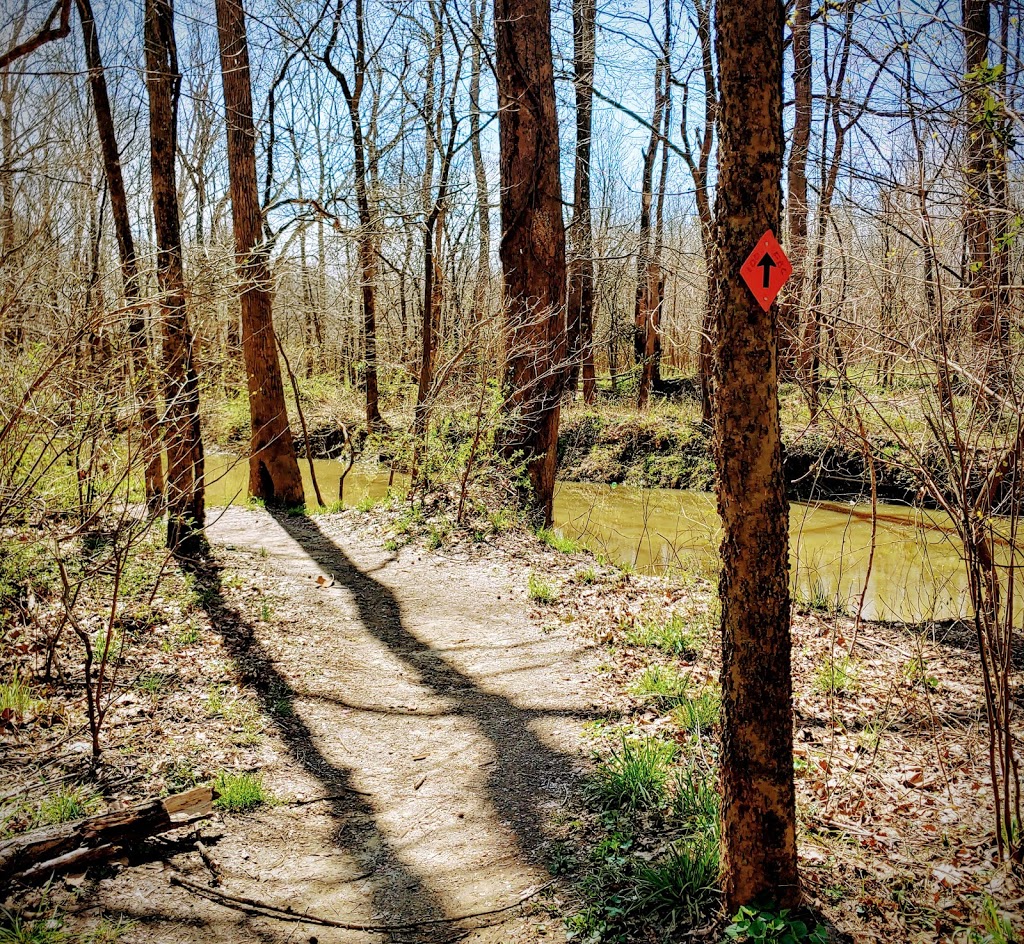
column 532, row 242
column 142, row 366
column 796, row 199
column 646, row 284
column 979, row 169
column 185, row 491
column 273, row 468
column 758, row 808
column 367, row 243
column 483, row 209
column 580, row 309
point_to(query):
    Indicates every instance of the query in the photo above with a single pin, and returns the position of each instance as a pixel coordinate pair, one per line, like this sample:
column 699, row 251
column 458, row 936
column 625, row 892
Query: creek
column 917, row 573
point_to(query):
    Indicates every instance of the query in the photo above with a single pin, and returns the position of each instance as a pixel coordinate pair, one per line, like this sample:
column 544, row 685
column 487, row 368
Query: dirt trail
column 429, row 727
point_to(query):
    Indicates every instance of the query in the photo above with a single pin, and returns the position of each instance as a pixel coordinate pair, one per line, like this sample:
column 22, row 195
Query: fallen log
column 41, row 852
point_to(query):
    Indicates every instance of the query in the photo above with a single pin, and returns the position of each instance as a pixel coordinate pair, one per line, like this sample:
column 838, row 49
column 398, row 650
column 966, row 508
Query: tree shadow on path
column 526, row 772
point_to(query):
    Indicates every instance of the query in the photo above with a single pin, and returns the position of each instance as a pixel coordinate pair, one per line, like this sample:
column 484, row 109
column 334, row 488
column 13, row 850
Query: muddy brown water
column 917, row 573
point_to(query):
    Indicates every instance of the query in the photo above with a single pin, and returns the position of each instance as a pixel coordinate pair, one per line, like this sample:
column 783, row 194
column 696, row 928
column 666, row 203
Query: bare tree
column 183, row 439
column 532, row 242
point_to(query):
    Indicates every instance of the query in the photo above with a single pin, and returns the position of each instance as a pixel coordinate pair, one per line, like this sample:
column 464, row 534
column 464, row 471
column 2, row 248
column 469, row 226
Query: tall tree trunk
column 698, row 165
column 979, row 153
column 532, row 242
column 142, row 366
column 273, row 469
column 646, row 284
column 367, row 242
column 580, row 309
column 758, row 807
column 483, row 209
column 796, row 199
column 580, row 302
column 183, row 439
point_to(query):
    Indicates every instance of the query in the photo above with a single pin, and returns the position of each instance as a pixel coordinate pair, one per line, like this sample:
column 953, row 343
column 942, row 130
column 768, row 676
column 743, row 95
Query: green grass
column 17, row 701
column 838, row 676
column 331, row 508
column 663, row 685
column 696, row 805
column 153, row 684
column 633, row 776
column 675, row 634
column 15, row 929
column 680, row 888
column 366, row 504
column 559, row 542
column 540, row 590
column 66, row 805
column 240, row 793
column 698, row 713
column 586, row 576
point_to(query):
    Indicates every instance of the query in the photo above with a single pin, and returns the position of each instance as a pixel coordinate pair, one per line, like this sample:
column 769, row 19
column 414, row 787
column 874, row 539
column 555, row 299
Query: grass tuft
column 240, row 793
column 837, row 677
column 698, row 713
column 559, row 542
column 661, row 684
column 675, row 635
column 635, row 776
column 540, row 590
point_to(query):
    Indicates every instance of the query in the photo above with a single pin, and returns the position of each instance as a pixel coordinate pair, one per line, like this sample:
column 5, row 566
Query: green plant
column 675, row 635
column 586, row 576
column 109, row 931
column 696, row 805
column 266, row 612
column 635, row 775
column 916, row 671
column 679, row 887
column 153, row 683
column 662, row 684
column 67, row 804
column 540, row 590
column 698, row 713
column 17, row 930
column 502, row 520
column 838, row 676
column 558, row 542
column 366, row 503
column 16, row 700
column 768, row 927
column 996, row 928
column 240, row 793
column 105, row 646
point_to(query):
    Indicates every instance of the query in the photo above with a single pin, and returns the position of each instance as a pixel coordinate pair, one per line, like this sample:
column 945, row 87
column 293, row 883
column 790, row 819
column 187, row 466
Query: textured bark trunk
column 532, row 242
column 580, row 309
column 273, row 468
column 796, row 201
column 142, row 366
column 758, row 808
column 483, row 209
column 367, row 241
column 183, row 440
column 979, row 164
column 646, row 301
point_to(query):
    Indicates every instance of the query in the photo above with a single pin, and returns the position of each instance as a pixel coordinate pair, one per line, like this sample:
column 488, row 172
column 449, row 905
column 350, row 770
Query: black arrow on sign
column 767, row 263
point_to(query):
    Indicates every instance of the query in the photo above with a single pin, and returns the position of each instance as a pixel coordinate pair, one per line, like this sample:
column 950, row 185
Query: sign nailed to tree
column 766, row 270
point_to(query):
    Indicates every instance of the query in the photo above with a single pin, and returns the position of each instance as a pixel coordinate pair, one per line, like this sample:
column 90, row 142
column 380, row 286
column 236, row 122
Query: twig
column 289, row 914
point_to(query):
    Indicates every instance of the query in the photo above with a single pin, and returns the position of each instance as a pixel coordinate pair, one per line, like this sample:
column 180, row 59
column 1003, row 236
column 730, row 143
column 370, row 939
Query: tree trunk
column 979, row 165
column 273, row 468
column 646, row 300
column 483, row 209
column 796, row 199
column 580, row 309
column 183, row 440
column 532, row 242
column 141, row 363
column 367, row 243
column 758, row 808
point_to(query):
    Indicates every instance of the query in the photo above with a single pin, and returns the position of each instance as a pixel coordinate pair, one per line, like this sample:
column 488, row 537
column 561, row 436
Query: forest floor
column 435, row 722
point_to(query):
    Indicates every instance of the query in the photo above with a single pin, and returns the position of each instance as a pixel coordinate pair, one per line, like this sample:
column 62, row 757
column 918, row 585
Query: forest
column 511, row 471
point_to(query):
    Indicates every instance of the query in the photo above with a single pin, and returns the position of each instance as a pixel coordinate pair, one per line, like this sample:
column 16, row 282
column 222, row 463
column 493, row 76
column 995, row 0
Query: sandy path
column 441, row 720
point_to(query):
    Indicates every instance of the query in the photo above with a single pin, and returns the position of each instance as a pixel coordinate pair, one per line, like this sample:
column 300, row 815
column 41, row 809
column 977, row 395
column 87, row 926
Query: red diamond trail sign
column 766, row 270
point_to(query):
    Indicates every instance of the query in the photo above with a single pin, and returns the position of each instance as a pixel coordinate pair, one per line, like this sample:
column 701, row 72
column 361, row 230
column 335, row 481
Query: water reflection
column 916, row 574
